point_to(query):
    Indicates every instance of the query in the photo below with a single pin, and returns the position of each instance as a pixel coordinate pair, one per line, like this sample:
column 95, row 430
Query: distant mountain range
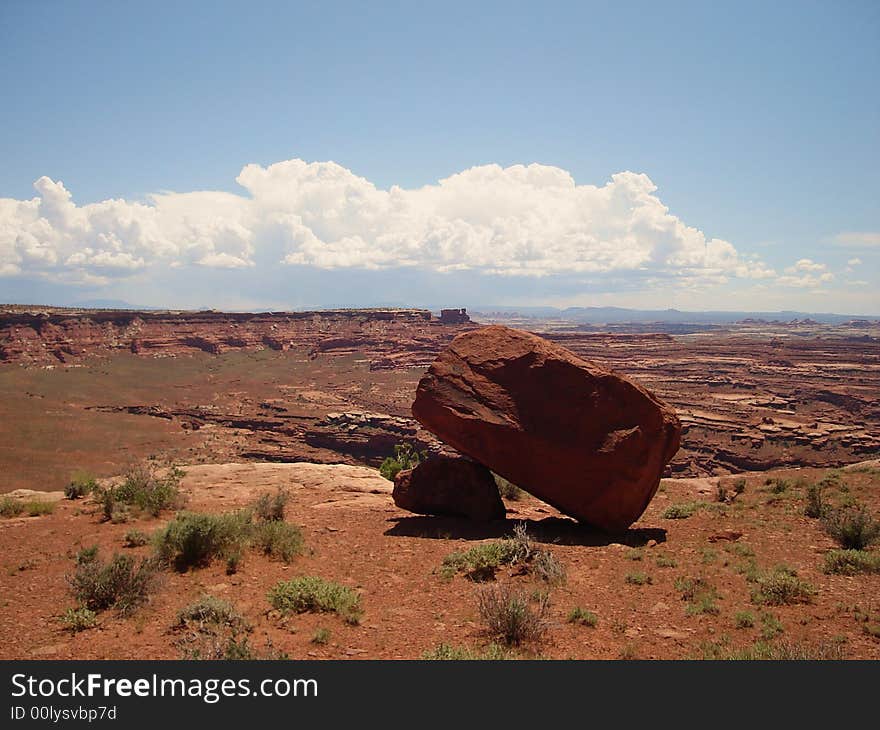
column 577, row 315
column 619, row 315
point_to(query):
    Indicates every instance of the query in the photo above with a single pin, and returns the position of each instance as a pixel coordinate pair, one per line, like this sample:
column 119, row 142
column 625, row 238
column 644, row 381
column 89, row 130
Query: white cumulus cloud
column 524, row 220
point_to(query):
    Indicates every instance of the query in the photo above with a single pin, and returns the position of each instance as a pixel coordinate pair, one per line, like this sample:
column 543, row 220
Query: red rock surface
column 590, row 442
column 449, row 485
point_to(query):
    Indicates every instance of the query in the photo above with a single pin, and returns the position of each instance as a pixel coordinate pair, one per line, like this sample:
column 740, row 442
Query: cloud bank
column 519, row 221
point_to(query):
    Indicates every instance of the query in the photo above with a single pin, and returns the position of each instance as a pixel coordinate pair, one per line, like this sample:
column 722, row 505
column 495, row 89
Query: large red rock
column 588, row 441
column 449, row 485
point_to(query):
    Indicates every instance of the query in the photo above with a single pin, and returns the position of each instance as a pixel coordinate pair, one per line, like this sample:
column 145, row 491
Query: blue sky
column 691, row 155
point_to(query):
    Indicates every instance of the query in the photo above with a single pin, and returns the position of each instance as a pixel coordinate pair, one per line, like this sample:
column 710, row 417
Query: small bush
column 210, row 612
column 853, row 527
column 321, row 636
column 193, row 539
column 405, row 457
column 37, row 508
column 581, row 616
column 143, row 487
column 10, row 507
column 80, row 485
column 770, row 626
column 447, row 652
column 510, row 617
column 781, row 587
column 635, row 555
column 681, row 511
column 638, row 578
column 699, row 594
column 508, row 490
column 79, row 619
column 739, row 486
column 136, row 538
column 851, row 562
column 122, row 583
column 225, row 646
column 546, row 567
column 744, row 619
column 315, row 595
column 270, row 508
column 480, row 562
column 665, row 561
column 786, row 651
column 816, row 505
column 279, row 540
column 777, row 485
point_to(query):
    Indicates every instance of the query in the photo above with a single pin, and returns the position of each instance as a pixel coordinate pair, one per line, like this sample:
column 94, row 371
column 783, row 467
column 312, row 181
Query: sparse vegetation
column 852, row 526
column 699, row 594
column 405, row 457
column 144, row 487
column 447, row 652
column 279, row 540
column 638, row 578
column 665, row 561
column 582, row 616
column 771, row 626
column 136, row 538
column 681, row 510
column 123, row 583
column 193, row 539
column 271, row 507
column 782, row 651
column 817, row 505
column 10, row 507
column 851, row 562
column 79, row 619
column 510, row 617
column 38, row 508
column 781, row 587
column 321, row 636
column 481, row 562
column 311, row 594
column 211, row 612
column 744, row 619
column 81, row 485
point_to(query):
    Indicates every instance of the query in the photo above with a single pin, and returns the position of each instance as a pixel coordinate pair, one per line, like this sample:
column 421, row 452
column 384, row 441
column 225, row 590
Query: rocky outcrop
column 449, row 485
column 590, row 442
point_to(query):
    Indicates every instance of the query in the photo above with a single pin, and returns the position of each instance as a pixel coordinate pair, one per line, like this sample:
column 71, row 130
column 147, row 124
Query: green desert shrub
column 79, row 619
column 851, row 562
column 312, row 594
column 788, row 651
column 405, row 457
column 321, row 635
column 278, row 540
column 122, row 583
column 510, row 617
column 211, row 612
column 699, row 594
column 744, row 619
column 145, row 487
column 271, row 507
column 80, row 485
column 583, row 617
column 136, row 538
column 448, row 652
column 38, row 508
column 852, row 526
column 780, row 587
column 816, row 505
column 638, row 578
column 10, row 507
column 681, row 510
column 194, row 539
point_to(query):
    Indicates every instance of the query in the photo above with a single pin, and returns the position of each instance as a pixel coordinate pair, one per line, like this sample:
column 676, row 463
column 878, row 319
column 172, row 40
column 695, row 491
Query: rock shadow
column 552, row 530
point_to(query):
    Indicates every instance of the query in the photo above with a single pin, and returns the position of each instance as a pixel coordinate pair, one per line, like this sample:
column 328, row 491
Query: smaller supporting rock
column 449, row 485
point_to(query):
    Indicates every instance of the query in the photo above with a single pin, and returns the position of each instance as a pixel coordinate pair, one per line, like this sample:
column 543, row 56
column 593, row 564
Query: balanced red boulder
column 586, row 440
column 449, row 485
